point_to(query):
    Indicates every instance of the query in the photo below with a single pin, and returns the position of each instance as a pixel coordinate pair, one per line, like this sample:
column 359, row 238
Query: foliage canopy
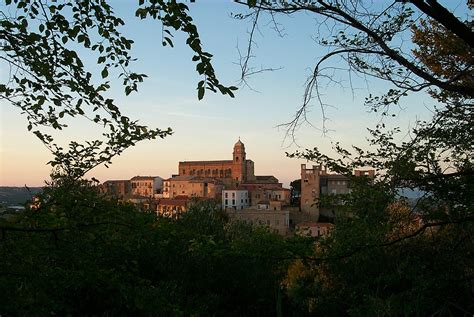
column 390, row 257
column 43, row 45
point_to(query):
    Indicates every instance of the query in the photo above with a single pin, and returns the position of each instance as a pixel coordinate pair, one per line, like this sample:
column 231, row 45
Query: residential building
column 192, row 186
column 172, row 207
column 279, row 221
column 117, row 188
column 146, row 186
column 236, row 199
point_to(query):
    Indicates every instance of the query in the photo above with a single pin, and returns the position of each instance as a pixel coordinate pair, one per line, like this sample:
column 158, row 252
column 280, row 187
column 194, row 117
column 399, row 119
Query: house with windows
column 236, row 199
column 146, row 186
column 278, row 221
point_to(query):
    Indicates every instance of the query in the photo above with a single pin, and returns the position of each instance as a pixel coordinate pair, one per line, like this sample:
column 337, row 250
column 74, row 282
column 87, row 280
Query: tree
column 387, row 258
column 391, row 257
column 79, row 253
column 371, row 42
column 295, row 187
column 49, row 81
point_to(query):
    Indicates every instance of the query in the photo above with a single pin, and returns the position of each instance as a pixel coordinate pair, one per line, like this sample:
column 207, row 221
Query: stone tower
column 239, row 163
column 310, row 190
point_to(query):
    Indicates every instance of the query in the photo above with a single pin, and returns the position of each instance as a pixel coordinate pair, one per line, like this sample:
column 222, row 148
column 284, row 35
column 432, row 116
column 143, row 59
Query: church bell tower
column 239, row 162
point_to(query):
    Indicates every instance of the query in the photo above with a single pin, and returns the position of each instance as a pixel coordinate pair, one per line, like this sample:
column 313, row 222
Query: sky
column 207, row 129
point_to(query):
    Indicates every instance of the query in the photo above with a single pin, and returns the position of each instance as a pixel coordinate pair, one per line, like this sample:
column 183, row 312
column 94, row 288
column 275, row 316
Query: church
column 207, row 179
column 233, row 173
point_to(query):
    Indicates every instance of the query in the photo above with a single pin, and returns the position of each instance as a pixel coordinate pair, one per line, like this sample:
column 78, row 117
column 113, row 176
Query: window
column 241, row 201
column 233, row 195
column 226, row 202
column 226, row 195
column 184, row 171
column 236, row 158
column 305, row 180
column 233, row 202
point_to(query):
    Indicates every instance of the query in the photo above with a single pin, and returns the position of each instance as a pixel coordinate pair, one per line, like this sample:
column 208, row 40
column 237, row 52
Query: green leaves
column 105, row 72
column 74, row 239
column 201, row 92
column 51, row 82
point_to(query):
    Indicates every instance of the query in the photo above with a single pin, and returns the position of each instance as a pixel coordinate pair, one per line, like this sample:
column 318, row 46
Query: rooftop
column 138, row 178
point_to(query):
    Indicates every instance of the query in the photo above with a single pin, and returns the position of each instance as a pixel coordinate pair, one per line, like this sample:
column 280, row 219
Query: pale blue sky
column 207, row 129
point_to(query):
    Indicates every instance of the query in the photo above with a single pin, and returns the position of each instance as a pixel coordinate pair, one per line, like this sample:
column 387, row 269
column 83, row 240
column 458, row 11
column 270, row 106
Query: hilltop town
column 234, row 187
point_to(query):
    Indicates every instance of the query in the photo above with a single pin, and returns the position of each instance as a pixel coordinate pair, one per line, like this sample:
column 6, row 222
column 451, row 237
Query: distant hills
column 17, row 195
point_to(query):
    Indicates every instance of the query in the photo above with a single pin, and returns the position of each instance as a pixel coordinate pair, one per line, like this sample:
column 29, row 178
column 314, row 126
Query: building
column 192, row 186
column 172, row 207
column 278, row 221
column 232, row 183
column 316, row 181
column 234, row 173
column 117, row 188
column 236, row 199
column 237, row 173
column 310, row 191
column 146, row 186
column 313, row 229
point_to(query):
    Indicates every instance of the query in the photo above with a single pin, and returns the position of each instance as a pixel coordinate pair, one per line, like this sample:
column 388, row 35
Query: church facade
column 239, row 170
column 237, row 173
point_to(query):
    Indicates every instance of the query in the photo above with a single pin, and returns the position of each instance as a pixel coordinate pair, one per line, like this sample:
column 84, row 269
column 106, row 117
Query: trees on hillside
column 43, row 47
column 77, row 253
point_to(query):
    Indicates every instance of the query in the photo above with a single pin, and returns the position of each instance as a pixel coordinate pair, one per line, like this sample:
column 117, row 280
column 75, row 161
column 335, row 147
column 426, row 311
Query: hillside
column 17, row 195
